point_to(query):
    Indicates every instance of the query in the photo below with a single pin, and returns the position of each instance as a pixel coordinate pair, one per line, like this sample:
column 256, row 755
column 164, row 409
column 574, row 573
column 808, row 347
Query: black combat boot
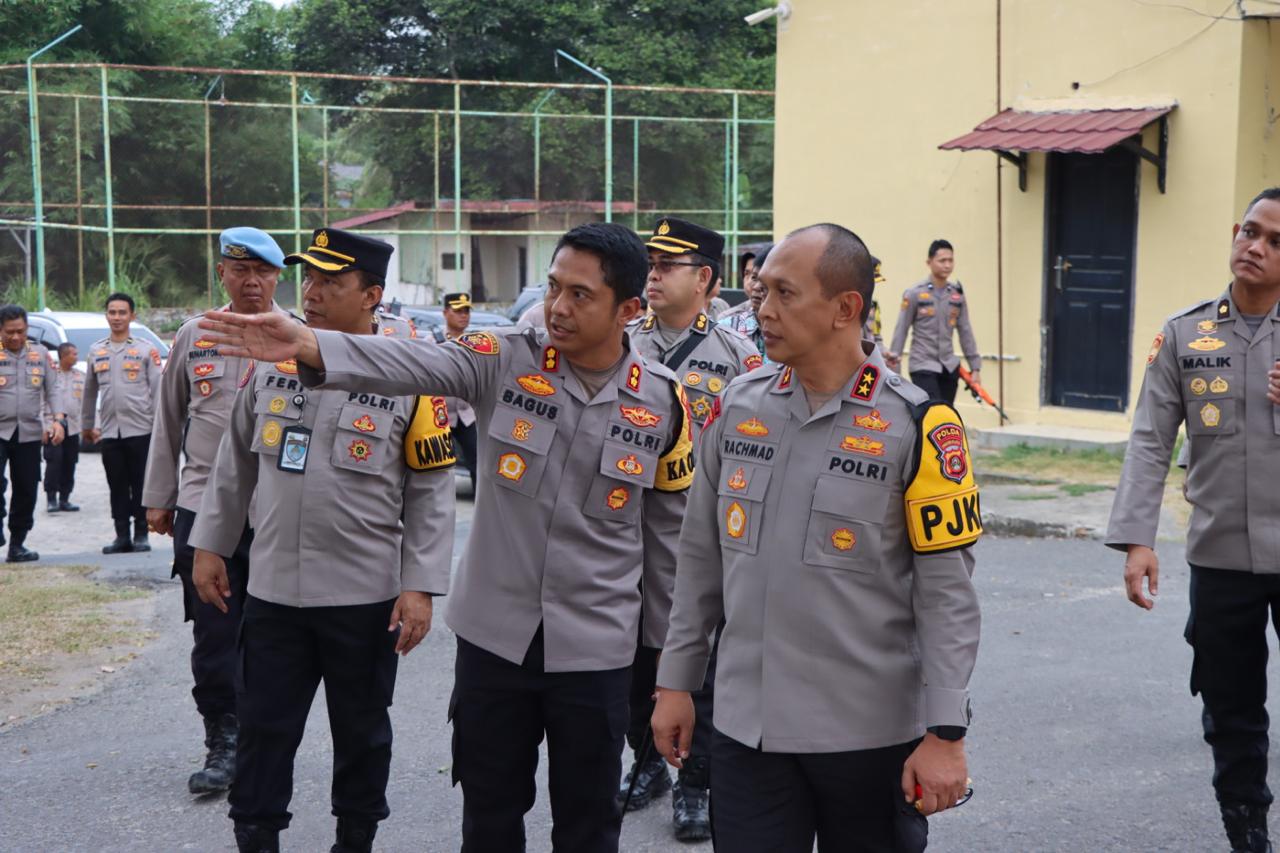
column 652, row 780
column 690, row 801
column 252, row 838
column 1246, row 826
column 140, row 542
column 354, row 836
column 18, row 553
column 65, row 505
column 220, row 761
column 53, row 506
column 122, row 544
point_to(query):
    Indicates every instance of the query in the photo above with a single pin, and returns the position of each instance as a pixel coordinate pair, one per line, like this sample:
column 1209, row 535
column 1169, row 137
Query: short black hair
column 1269, row 194
column 845, row 264
column 742, row 263
column 12, row 312
column 64, row 347
column 707, row 261
column 121, row 297
column 623, row 256
column 368, row 280
column 938, row 245
column 763, row 255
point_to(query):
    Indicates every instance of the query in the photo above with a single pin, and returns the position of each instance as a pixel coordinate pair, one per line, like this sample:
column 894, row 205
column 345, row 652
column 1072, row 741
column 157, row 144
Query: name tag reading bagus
column 294, row 447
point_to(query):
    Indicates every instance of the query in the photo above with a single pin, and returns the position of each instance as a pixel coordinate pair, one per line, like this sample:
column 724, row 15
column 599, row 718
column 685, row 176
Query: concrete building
column 1128, row 138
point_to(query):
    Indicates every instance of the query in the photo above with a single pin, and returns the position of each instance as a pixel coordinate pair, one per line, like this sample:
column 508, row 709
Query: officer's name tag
column 294, row 446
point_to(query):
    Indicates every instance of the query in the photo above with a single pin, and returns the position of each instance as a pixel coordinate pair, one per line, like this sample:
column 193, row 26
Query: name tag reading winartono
column 294, row 448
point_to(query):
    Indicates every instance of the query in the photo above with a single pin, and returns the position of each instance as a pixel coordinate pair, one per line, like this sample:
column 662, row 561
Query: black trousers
column 23, row 458
column 466, row 439
column 125, row 461
column 1227, row 629
column 939, row 386
column 500, row 712
column 285, row 652
column 60, row 467
column 774, row 802
column 213, row 652
column 644, row 674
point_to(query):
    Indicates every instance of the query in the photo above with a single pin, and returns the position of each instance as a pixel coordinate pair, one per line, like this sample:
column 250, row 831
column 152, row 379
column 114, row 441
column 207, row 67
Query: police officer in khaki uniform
column 705, row 356
column 584, row 458
column 196, row 392
column 61, row 459
column 126, row 371
column 932, row 310
column 30, row 413
column 871, row 329
column 829, row 525
column 1208, row 367
column 353, row 535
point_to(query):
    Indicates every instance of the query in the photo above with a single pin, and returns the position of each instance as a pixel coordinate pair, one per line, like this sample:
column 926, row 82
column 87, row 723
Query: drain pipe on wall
column 999, row 231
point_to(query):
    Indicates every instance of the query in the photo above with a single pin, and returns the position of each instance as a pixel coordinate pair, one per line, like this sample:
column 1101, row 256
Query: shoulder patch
column 481, row 342
column 247, row 375
column 1155, row 348
column 675, row 466
column 428, row 442
column 941, row 501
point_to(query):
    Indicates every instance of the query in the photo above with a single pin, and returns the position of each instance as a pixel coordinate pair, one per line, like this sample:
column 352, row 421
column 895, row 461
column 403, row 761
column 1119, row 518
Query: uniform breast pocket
column 616, row 491
column 1211, row 406
column 272, row 403
column 206, row 370
column 8, row 371
column 131, row 370
column 740, row 504
column 521, row 443
column 845, row 519
column 362, row 441
column 102, row 370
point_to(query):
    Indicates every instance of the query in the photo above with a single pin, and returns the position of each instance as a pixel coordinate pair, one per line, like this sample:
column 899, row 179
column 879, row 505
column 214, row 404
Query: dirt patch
column 64, row 635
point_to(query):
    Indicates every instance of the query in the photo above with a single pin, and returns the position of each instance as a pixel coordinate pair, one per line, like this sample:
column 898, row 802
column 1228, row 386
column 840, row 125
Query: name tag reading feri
column 942, row 506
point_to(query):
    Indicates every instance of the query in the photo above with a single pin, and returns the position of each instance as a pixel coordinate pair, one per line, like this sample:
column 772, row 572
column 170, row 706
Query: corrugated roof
column 1079, row 131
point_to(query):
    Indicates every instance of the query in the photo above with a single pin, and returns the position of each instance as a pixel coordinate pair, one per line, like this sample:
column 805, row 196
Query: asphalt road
column 1085, row 737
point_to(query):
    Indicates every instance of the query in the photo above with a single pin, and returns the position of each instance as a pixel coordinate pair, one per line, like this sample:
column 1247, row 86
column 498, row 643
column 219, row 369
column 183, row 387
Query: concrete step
column 1045, row 435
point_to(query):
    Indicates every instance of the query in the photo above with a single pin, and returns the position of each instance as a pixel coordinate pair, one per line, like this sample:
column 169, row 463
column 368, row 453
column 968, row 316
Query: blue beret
column 243, row 242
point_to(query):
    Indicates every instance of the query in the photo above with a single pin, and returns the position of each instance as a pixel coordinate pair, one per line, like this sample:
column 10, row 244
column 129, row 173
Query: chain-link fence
column 140, row 167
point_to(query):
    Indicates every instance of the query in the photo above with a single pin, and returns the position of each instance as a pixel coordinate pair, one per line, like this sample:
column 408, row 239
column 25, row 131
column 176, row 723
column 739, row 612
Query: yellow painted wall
column 866, row 91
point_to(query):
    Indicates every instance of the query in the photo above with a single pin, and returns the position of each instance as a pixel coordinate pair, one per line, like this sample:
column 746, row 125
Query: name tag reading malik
column 293, row 451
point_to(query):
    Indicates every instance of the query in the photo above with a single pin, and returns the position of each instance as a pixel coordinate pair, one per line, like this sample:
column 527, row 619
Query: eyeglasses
column 665, row 266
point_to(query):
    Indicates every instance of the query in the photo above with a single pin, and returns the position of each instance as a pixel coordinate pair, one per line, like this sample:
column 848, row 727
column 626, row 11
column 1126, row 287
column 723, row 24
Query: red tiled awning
column 1077, row 131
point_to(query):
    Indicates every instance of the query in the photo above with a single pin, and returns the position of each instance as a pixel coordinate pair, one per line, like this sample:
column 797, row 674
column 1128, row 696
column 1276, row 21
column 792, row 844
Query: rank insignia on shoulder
column 290, row 366
column 753, row 361
column 1155, row 348
column 640, row 416
column 617, row 498
column 550, row 359
column 1206, row 327
column 865, row 388
column 701, row 323
column 1224, row 308
column 941, row 499
column 784, row 381
column 872, row 421
column 537, row 384
column 633, row 377
column 649, row 322
column 480, row 342
column 1207, row 344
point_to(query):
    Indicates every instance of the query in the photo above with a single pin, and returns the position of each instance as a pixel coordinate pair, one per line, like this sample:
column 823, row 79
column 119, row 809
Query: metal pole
column 297, row 189
column 324, row 143
column 728, row 164
column 37, row 188
column 537, row 144
column 608, row 131
column 457, row 186
column 733, row 253
column 635, row 174
column 79, row 212
column 208, row 209
column 106, row 168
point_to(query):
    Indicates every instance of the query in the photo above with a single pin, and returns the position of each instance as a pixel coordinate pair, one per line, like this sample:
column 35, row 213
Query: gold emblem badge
column 617, row 498
column 701, row 323
column 1206, row 327
column 360, row 450
column 277, row 405
column 862, row 444
column 633, row 378
column 640, row 416
column 322, row 240
column 512, row 466
column 1199, row 386
column 202, row 370
column 735, row 520
column 692, row 378
column 271, row 433
column 700, row 407
column 205, row 387
column 237, row 252
column 131, row 375
column 200, row 344
column 551, row 359
column 132, row 351
column 3, row 381
column 872, row 421
column 738, row 481
column 664, row 229
column 290, row 366
column 536, row 383
column 1210, row 415
column 631, row 466
column 714, row 385
column 520, row 429
column 843, row 539
column 1207, row 344
column 785, row 380
column 1218, row 385
column 364, row 423
column 752, row 427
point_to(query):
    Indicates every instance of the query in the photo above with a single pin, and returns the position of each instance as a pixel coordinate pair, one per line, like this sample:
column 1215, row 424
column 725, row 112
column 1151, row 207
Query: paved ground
column 1085, row 737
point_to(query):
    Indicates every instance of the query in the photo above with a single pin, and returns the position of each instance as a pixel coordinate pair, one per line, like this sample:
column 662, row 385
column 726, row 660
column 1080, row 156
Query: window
column 453, row 261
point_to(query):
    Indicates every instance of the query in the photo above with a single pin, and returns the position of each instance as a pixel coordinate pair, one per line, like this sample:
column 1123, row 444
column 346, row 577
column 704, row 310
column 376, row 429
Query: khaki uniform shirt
column 720, row 355
column 1205, row 368
column 27, row 396
column 835, row 546
column 127, row 374
column 335, row 474
column 197, row 389
column 69, row 385
column 932, row 315
column 578, row 499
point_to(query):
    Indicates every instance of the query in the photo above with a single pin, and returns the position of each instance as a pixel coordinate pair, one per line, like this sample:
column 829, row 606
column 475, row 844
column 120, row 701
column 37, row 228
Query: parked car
column 527, row 297
column 431, row 319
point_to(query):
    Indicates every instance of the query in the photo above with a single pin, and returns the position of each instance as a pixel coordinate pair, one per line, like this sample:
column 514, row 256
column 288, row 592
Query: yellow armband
column 942, row 507
column 428, row 442
column 675, row 467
